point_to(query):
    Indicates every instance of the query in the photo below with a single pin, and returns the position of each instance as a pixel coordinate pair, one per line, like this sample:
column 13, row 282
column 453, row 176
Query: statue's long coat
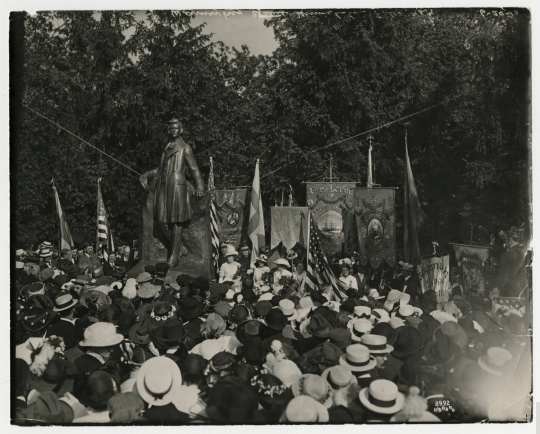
column 172, row 195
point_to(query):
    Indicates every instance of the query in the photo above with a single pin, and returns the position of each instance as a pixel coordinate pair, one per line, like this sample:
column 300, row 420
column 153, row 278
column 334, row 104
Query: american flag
column 214, row 232
column 318, row 268
column 104, row 236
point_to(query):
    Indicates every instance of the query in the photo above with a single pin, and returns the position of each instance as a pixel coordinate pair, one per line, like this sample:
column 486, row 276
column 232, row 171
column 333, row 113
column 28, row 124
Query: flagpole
column 370, row 171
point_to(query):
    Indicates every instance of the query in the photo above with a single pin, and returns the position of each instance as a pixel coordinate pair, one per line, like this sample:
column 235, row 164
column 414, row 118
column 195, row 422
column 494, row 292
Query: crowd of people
column 256, row 345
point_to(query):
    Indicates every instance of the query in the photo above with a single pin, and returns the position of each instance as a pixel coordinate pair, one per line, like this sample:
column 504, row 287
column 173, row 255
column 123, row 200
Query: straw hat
column 158, row 381
column 287, row 371
column 494, row 360
column 101, row 334
column 382, row 396
column 376, row 344
column 357, row 358
column 362, row 312
column 380, row 315
column 359, row 328
column 64, row 302
column 339, row 377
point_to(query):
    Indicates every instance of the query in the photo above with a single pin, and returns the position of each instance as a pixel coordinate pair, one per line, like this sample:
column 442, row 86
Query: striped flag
column 66, row 242
column 213, row 217
column 104, row 236
column 256, row 220
column 318, row 269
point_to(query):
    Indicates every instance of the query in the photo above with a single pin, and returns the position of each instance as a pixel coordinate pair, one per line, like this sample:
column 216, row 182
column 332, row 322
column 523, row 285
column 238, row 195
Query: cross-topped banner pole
column 370, row 172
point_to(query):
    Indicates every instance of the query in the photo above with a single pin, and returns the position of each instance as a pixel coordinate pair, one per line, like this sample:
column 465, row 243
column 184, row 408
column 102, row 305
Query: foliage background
column 334, row 75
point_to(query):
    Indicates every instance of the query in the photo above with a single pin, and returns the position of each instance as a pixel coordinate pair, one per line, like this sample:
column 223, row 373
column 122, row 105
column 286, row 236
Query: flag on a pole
column 256, row 220
column 413, row 214
column 104, row 235
column 66, row 242
column 213, row 217
column 318, row 268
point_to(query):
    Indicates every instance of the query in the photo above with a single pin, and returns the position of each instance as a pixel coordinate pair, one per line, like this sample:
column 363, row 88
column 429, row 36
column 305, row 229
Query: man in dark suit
column 125, row 260
column 65, row 326
column 409, row 282
column 88, row 259
column 511, row 279
column 109, row 266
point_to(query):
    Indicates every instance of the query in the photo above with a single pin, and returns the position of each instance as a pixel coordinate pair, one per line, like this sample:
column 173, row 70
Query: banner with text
column 329, row 201
column 232, row 216
column 376, row 225
column 434, row 274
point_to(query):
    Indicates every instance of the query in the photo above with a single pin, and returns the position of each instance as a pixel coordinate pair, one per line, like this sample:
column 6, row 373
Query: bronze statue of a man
column 172, row 207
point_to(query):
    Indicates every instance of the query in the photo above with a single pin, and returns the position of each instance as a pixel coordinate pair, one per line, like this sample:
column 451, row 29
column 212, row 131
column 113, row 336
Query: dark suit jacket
column 166, row 413
column 66, row 330
column 108, row 270
column 87, row 364
column 411, row 286
column 84, row 262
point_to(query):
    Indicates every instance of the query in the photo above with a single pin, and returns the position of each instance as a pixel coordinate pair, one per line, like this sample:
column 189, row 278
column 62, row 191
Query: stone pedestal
column 195, row 239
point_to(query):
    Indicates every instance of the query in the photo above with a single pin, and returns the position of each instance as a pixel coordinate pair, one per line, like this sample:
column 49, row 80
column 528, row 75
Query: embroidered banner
column 434, row 273
column 472, row 266
column 329, row 201
column 232, row 216
column 376, row 225
column 288, row 226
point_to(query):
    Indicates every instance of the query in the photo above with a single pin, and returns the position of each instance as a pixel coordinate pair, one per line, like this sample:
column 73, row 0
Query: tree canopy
column 114, row 81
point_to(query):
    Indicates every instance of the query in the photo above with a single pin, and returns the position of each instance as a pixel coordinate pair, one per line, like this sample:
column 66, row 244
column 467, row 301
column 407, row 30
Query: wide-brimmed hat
column 147, row 290
column 144, row 277
column 168, row 334
column 338, row 377
column 341, row 338
column 276, row 319
column 238, row 314
column 162, row 311
column 36, row 319
column 231, row 251
column 48, row 408
column 271, row 391
column 314, row 386
column 408, row 343
column 305, row 409
column 287, row 306
column 233, row 402
column 494, row 360
column 190, row 308
column 101, row 334
column 444, row 351
column 139, row 333
column 382, row 396
column 158, row 381
column 359, row 327
column 64, row 302
column 95, row 298
column 454, row 331
column 262, row 258
column 287, row 371
column 283, row 262
column 357, row 358
column 319, row 326
column 98, row 389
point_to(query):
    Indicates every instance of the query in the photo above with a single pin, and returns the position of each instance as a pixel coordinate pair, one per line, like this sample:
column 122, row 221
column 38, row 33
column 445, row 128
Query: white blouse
column 227, row 271
column 350, row 281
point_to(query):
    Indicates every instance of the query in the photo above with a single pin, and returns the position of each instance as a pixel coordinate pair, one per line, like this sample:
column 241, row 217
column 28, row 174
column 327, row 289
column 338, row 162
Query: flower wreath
column 267, row 390
column 165, row 317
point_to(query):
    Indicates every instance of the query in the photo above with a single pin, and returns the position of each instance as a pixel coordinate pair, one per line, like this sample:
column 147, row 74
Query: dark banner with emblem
column 232, row 216
column 472, row 263
column 331, row 204
column 376, row 225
